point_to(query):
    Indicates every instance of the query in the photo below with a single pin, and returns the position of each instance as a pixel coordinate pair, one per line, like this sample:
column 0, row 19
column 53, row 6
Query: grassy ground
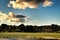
column 28, row 35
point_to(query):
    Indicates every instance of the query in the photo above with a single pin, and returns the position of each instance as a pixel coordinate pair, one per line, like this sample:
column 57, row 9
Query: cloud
column 47, row 3
column 20, row 16
column 12, row 19
column 23, row 4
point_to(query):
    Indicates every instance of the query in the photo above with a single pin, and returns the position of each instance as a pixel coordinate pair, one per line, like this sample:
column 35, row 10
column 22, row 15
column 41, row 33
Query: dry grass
column 28, row 35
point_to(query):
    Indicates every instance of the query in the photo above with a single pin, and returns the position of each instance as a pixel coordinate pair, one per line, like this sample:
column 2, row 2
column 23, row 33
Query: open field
column 28, row 35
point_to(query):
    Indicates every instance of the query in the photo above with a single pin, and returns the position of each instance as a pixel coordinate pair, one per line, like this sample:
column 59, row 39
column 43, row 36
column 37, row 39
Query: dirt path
column 29, row 38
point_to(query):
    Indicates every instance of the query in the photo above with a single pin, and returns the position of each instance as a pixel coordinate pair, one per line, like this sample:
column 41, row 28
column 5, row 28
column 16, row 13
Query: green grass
column 28, row 35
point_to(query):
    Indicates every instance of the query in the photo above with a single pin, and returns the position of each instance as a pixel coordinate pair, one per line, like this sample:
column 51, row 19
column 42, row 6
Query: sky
column 38, row 16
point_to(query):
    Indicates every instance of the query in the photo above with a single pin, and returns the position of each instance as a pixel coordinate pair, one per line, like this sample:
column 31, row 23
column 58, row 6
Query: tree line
column 29, row 28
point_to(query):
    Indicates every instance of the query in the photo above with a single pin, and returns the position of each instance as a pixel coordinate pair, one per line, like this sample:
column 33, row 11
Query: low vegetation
column 29, row 31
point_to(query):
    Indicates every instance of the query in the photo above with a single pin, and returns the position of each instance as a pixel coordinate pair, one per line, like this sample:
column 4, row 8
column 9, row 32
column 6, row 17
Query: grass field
column 28, row 35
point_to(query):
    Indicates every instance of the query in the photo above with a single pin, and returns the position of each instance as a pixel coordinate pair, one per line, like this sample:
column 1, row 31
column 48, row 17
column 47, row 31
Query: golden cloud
column 23, row 4
column 11, row 18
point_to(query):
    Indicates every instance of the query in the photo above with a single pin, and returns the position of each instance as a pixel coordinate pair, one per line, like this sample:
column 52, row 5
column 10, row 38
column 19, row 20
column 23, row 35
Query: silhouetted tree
column 29, row 28
column 3, row 27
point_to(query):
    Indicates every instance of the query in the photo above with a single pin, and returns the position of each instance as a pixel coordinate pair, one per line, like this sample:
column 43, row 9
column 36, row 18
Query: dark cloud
column 20, row 16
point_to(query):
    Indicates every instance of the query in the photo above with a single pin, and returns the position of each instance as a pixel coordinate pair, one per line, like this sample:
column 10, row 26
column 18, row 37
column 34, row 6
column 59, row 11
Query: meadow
column 28, row 35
